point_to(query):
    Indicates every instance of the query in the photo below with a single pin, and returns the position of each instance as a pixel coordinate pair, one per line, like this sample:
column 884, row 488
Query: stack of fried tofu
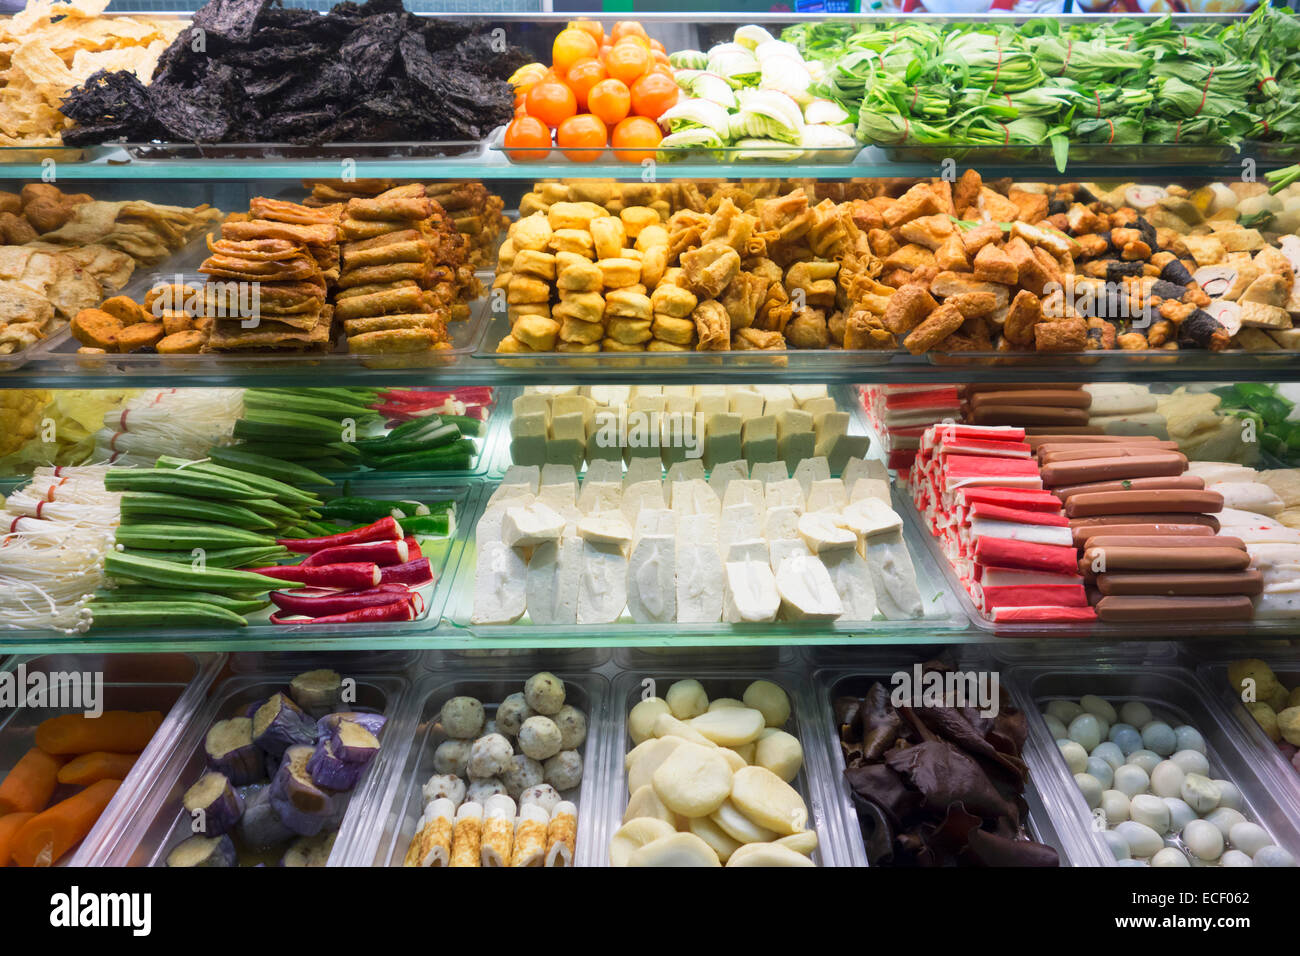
column 280, row 260
column 404, row 272
column 479, row 217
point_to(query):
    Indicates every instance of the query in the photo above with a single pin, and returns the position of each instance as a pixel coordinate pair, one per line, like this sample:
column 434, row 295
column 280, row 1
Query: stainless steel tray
column 587, row 692
column 1174, row 692
column 158, row 821
column 172, row 683
column 629, row 688
column 831, row 683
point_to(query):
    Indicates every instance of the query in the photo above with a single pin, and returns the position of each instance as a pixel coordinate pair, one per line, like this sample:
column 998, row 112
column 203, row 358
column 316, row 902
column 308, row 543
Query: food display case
column 719, row 440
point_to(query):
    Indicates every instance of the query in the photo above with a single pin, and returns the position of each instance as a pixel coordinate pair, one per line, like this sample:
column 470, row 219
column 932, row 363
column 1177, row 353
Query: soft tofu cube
column 552, row 581
column 781, row 523
column 722, row 441
column 710, row 405
column 574, row 404
column 527, row 526
column 820, row 532
column 642, row 469
column 605, row 469
column 528, row 434
column 597, row 497
column 652, row 579
column 807, row 592
column 892, row 572
column 500, row 591
column 607, row 528
column 810, row 470
column 689, row 470
column 857, row 468
column 738, row 523
column 602, row 585
column 786, row 493
column 743, row 491
column 769, row 471
column 778, row 405
column 490, row 522
column 781, row 548
column 751, row 549
column 699, row 529
column 653, row 521
column 695, row 497
column 603, row 441
column 640, row 495
column 699, row 581
column 639, row 391
column 750, row 595
column 531, row 403
column 870, row 488
column 869, row 517
column 821, row 406
column 612, row 395
column 828, row 494
column 530, row 475
column 723, row 474
column 559, row 475
column 807, row 393
column 853, row 583
column 745, row 403
column 758, row 440
column 795, row 438
column 568, row 442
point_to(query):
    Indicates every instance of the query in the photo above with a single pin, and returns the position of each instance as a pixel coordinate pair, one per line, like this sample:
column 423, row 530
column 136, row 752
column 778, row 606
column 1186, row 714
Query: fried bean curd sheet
column 280, row 210
column 320, row 234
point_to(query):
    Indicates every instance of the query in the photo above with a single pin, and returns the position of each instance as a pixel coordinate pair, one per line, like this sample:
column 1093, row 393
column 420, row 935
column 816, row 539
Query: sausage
column 1105, row 560
column 1066, row 452
column 1109, row 540
column 1142, row 501
column 1209, row 583
column 1058, row 397
column 1028, row 415
column 1144, row 609
column 1172, row 482
column 1037, row 440
column 1157, row 464
column 1085, row 533
column 1162, row 518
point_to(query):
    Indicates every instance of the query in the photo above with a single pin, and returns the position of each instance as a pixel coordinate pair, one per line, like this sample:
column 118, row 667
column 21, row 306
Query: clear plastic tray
column 1269, row 760
column 158, row 821
column 630, row 688
column 1109, row 631
column 573, row 659
column 587, row 692
column 60, row 352
column 258, row 152
column 397, row 661
column 443, row 556
column 831, row 683
column 1174, row 692
column 174, row 684
column 722, row 155
column 941, row 611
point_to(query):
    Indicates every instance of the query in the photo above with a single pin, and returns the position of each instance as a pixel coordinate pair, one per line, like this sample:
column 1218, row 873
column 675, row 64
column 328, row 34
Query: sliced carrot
column 115, row 731
column 44, row 838
column 27, row 788
column 10, row 824
column 93, row 767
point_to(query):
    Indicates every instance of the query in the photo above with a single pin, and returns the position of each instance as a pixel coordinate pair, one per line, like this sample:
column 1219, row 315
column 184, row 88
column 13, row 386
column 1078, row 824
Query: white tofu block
column 822, row 405
column 652, row 579
column 769, row 471
column 821, row 533
column 723, row 474
column 786, row 493
column 687, row 391
column 552, row 581
column 853, row 582
column 566, row 451
column 695, row 497
column 897, row 595
column 706, row 406
column 869, row 488
column 858, row 468
column 689, row 470
column 608, row 530
column 699, row 582
column 758, row 439
column 597, row 497
column 570, row 426
column 527, row 526
column 500, row 595
column 828, row 426
column 491, row 521
column 754, row 549
column 868, row 517
column 602, row 585
column 745, row 403
column 774, row 392
column 574, row 404
column 782, row 548
column 810, row 470
column 552, row 391
column 559, row 475
column 699, row 529
column 528, row 434
column 512, row 490
column 722, row 440
column 642, row 494
column 603, row 440
column 616, row 395
column 563, row 500
column 531, row 403
column 795, row 447
column 679, row 404
column 827, row 494
column 653, row 522
column 744, row 491
column 750, row 595
column 843, row 448
column 781, row 523
column 641, row 469
column 738, row 523
column 806, row 393
column 529, row 475
column 604, row 469
column 807, row 592
column 639, row 391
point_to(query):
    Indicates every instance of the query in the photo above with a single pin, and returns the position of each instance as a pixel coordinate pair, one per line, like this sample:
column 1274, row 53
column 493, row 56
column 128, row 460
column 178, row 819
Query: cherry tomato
column 582, row 77
column 582, row 130
column 660, row 58
column 527, row 131
column 642, row 42
column 658, row 47
column 551, row 102
column 627, row 61
column 652, row 94
column 569, row 47
column 609, row 100
column 636, row 131
column 589, row 26
column 626, row 28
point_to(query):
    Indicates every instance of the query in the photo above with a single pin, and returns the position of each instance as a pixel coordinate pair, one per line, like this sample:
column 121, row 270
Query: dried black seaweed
column 255, row 71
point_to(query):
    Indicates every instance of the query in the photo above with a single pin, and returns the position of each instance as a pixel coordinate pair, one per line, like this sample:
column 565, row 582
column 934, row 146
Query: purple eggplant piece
column 280, row 724
column 331, row 771
column 213, row 804
column 316, row 692
column 301, row 804
column 261, row 826
column 270, row 764
column 372, row 722
column 353, row 743
column 229, row 749
column 310, row 850
column 204, row 851
column 252, row 708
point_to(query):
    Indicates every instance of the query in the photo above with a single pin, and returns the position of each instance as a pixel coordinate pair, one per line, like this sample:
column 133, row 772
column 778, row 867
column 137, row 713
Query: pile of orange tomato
column 601, row 90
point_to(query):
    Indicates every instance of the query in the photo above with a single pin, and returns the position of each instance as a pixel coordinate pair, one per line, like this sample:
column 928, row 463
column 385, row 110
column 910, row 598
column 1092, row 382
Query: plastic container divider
column 830, row 683
column 628, row 690
column 158, row 821
column 1174, row 692
column 588, row 692
column 172, row 683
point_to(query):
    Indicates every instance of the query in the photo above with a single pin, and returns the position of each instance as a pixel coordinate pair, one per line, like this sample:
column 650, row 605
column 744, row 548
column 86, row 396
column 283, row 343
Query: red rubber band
column 1098, row 96
column 1205, row 91
column 998, row 71
column 1112, row 131
column 1069, row 49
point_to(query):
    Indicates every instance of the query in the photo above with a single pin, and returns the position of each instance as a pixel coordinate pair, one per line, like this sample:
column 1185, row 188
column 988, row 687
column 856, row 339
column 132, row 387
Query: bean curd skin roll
column 530, row 836
column 431, row 845
column 498, row 830
column 562, row 835
column 468, row 835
